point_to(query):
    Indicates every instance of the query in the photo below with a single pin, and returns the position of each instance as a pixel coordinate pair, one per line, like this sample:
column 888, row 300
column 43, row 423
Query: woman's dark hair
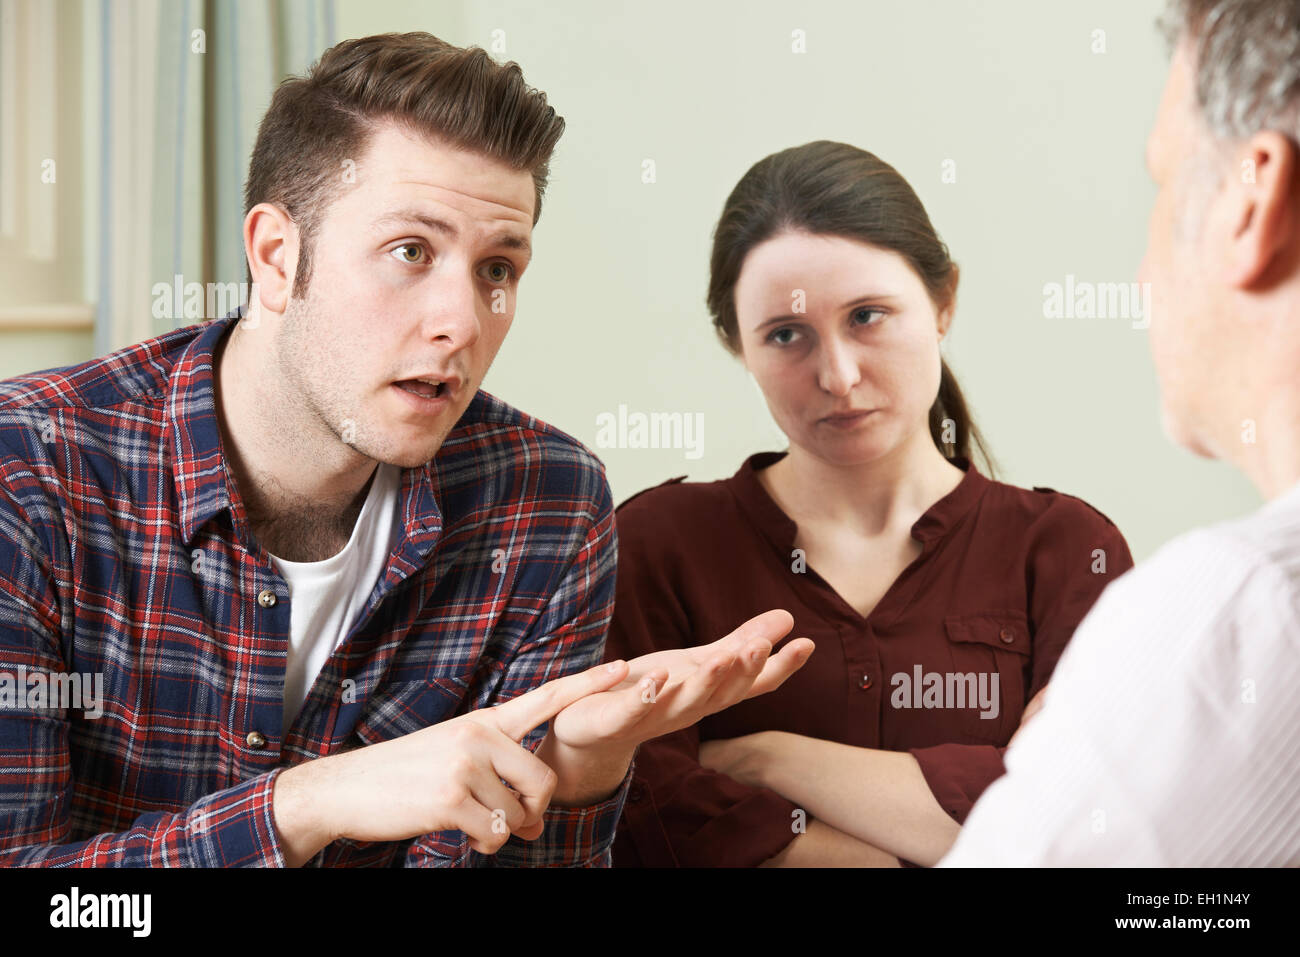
column 835, row 189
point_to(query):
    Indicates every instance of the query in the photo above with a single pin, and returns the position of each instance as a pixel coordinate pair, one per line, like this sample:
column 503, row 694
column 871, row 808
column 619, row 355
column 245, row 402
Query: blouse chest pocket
column 991, row 656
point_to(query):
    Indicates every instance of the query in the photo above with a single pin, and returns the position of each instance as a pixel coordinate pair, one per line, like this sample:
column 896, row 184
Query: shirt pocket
column 990, row 655
column 404, row 707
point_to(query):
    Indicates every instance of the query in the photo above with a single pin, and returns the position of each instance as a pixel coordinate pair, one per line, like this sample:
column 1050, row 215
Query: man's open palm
column 670, row 690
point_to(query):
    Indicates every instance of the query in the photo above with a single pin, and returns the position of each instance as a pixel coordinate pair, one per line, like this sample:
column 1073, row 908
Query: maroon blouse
column 1004, row 577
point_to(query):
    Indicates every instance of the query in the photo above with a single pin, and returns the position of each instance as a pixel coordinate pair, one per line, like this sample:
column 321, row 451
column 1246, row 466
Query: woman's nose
column 839, row 371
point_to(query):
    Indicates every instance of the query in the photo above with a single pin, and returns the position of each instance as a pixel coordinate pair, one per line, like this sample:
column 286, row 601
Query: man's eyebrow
column 859, row 300
column 510, row 240
column 405, row 217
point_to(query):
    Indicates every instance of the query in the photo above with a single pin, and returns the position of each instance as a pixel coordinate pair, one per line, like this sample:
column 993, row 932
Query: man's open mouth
column 422, row 387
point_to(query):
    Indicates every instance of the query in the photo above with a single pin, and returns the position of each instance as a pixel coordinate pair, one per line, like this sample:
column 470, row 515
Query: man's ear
column 271, row 241
column 1261, row 216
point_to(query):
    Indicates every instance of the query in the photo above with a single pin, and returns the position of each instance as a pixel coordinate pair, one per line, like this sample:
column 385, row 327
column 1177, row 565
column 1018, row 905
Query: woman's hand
column 744, row 759
column 1035, row 705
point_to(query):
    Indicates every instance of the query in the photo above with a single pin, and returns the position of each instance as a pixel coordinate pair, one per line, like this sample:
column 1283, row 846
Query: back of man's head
column 318, row 125
column 1247, row 56
column 1223, row 246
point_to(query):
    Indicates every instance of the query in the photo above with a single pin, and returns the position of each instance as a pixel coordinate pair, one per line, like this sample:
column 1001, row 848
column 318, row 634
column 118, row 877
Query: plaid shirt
column 125, row 550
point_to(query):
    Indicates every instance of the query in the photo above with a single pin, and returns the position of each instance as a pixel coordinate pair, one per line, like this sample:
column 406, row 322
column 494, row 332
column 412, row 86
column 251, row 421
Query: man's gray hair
column 1247, row 57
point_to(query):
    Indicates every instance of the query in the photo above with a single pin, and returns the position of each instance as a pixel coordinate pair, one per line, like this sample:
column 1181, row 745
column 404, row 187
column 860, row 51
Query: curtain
column 179, row 88
column 28, row 62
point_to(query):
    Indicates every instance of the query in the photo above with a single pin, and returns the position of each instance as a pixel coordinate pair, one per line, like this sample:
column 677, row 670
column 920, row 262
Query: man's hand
column 664, row 692
column 445, row 777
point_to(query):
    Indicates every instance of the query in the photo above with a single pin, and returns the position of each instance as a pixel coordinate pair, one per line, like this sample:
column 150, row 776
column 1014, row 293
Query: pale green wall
column 1047, row 137
column 29, row 350
column 1048, row 141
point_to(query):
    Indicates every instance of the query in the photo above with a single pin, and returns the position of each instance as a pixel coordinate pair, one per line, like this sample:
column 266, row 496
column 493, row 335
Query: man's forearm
column 822, row 845
column 587, row 776
column 878, row 797
column 296, row 808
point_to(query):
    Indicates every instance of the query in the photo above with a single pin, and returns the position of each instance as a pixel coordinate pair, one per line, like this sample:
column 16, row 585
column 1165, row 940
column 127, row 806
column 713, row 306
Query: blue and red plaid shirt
column 125, row 550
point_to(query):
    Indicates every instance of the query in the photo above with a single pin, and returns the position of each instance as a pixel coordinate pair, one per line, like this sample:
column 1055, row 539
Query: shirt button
column 255, row 739
column 864, row 681
column 636, row 793
column 267, row 598
column 1006, row 636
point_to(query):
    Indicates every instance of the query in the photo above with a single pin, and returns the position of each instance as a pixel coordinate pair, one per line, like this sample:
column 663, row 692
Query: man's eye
column 409, row 252
column 504, row 274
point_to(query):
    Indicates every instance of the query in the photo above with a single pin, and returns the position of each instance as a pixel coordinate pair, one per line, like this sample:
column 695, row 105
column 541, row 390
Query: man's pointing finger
column 521, row 715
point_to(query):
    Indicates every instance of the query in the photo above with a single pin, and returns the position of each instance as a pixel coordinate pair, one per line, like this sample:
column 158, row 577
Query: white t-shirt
column 327, row 597
column 1170, row 731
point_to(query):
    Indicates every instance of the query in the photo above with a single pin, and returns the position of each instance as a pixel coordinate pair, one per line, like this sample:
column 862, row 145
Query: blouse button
column 267, row 598
column 255, row 739
column 864, row 681
column 1006, row 636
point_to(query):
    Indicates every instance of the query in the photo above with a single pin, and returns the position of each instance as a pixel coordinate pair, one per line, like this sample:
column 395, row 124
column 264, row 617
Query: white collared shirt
column 1170, row 730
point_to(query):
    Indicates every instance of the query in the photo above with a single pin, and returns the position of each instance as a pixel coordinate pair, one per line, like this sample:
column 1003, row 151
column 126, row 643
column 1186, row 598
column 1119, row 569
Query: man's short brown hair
column 460, row 96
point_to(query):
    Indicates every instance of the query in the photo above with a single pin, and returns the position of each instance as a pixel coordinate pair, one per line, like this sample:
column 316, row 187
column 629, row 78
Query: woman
column 939, row 599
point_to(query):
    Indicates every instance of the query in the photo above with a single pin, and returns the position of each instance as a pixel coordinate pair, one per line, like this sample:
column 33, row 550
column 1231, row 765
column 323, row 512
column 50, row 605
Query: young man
column 329, row 585
column 1170, row 733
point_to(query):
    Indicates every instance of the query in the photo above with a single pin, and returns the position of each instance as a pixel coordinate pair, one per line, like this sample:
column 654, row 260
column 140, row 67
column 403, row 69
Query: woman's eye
column 506, row 271
column 868, row 313
column 409, row 252
column 782, row 336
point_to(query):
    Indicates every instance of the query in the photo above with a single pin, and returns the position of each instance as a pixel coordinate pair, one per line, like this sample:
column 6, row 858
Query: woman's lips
column 845, row 420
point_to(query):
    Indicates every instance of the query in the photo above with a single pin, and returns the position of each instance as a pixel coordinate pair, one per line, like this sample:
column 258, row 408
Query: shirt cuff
column 236, row 827
column 958, row 774
column 571, row 836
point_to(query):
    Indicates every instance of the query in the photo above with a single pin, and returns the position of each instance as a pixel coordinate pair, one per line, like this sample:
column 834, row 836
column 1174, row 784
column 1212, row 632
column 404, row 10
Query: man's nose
column 452, row 314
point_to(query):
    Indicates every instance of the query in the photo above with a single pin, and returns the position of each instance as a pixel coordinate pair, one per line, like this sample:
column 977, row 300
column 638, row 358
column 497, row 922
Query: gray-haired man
column 1189, row 754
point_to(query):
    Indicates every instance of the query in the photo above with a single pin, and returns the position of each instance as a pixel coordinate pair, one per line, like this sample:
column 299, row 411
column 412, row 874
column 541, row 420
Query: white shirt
column 327, row 597
column 1170, row 730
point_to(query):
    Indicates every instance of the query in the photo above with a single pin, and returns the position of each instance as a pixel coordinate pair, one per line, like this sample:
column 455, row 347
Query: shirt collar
column 780, row 529
column 199, row 471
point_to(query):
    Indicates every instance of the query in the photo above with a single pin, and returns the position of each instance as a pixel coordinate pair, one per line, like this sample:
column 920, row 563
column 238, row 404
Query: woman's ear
column 950, row 303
